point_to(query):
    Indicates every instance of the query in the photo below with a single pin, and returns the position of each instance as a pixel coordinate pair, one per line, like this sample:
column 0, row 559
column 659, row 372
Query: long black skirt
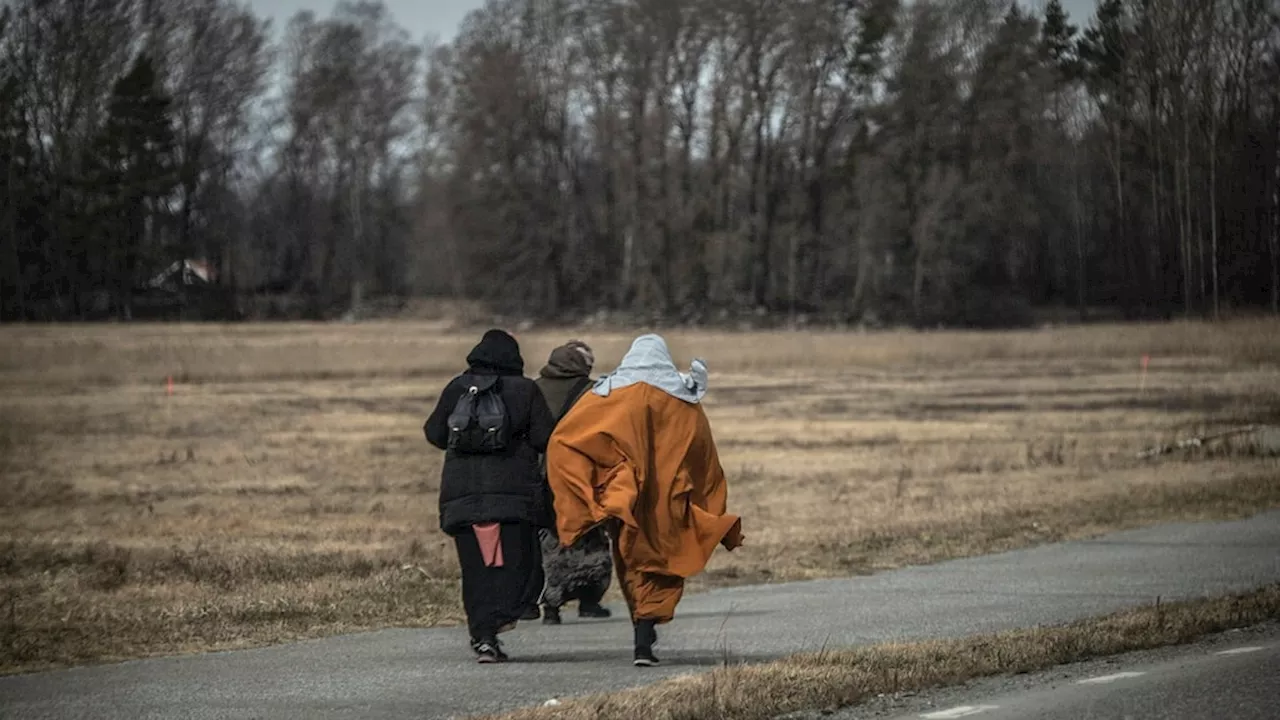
column 496, row 596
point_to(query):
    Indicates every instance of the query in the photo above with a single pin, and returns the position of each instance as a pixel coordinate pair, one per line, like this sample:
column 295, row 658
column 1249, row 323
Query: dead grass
column 80, row 356
column 840, row 678
column 285, row 490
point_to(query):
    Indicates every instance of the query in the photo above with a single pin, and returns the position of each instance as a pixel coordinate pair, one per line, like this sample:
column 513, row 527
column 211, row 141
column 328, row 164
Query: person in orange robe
column 636, row 454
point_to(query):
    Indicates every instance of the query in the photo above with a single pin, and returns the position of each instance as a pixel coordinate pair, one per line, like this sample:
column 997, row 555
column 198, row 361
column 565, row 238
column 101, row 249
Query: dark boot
column 593, row 610
column 531, row 613
column 550, row 615
column 646, row 638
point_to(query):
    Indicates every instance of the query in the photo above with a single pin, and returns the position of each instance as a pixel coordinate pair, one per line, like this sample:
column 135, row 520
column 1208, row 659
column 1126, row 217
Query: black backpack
column 479, row 423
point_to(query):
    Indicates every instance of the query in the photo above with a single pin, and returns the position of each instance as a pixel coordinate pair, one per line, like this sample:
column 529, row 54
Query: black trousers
column 538, row 578
column 496, row 596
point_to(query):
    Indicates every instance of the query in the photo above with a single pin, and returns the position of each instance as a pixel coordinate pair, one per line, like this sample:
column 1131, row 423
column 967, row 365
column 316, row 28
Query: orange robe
column 645, row 463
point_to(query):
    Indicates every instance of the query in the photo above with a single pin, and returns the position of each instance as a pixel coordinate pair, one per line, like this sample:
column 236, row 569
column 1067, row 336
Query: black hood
column 498, row 353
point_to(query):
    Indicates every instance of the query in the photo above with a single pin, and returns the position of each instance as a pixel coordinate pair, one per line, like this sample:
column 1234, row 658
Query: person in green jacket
column 581, row 572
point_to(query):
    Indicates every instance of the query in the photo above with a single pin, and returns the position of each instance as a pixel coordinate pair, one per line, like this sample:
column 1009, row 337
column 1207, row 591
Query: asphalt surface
column 1232, row 675
column 431, row 673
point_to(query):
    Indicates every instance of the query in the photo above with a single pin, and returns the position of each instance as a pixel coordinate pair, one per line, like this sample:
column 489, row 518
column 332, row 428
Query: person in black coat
column 493, row 502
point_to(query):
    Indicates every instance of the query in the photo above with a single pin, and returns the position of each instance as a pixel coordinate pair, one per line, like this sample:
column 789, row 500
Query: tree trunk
column 1193, row 229
column 20, row 292
column 1275, row 260
column 812, row 247
column 638, row 217
column 1121, row 232
column 917, row 286
column 1075, row 212
column 1155, row 273
column 758, row 279
column 1274, row 235
column 667, row 217
column 773, row 203
column 862, row 279
column 611, row 228
column 697, row 291
column 793, row 248
column 1182, row 193
column 358, row 246
column 1213, row 210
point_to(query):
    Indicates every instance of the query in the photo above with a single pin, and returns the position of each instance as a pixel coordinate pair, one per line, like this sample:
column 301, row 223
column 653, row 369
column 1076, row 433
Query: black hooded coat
column 503, row 487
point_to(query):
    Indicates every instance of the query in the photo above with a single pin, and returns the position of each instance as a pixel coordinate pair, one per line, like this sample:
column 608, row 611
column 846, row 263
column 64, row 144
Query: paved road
column 431, row 674
column 1232, row 675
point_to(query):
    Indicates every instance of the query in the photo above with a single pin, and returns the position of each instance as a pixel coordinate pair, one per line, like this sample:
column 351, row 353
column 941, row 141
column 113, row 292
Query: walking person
column 636, row 455
column 493, row 424
column 580, row 572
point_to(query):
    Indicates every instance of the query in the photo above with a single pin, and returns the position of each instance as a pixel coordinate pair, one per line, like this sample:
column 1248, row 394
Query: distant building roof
column 184, row 272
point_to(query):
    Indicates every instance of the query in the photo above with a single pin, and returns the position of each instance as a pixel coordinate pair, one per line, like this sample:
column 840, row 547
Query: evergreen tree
column 132, row 171
column 1103, row 47
column 1058, row 42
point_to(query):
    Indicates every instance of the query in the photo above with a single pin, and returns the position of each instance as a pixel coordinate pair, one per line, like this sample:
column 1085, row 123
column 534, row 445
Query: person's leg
column 537, row 581
column 629, row 582
column 646, row 636
column 552, row 599
column 620, row 569
column 514, row 586
column 476, row 598
column 633, row 590
column 495, row 597
column 651, row 600
column 553, row 569
column 654, row 600
column 589, row 602
column 595, row 571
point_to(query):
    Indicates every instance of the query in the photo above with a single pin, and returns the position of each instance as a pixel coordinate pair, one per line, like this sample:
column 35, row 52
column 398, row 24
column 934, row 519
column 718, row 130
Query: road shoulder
column 985, row 697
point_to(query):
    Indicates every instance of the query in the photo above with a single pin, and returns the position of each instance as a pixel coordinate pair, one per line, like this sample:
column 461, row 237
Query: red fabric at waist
column 489, row 535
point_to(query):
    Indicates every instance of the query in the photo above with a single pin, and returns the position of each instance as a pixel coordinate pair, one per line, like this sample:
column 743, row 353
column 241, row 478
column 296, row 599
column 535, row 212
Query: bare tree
column 940, row 161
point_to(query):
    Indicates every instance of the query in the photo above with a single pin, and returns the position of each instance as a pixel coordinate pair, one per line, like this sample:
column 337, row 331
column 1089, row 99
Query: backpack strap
column 482, row 383
column 572, row 396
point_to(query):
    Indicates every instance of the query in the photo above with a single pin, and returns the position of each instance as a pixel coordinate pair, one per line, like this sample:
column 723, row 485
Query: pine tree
column 1058, row 42
column 132, row 170
column 1102, row 49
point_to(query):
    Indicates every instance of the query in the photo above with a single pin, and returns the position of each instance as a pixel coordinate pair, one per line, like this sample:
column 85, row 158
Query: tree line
column 934, row 161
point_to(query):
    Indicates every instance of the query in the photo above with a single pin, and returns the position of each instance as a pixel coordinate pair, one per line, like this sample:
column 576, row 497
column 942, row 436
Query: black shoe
column 550, row 615
column 645, row 657
column 489, row 651
column 495, row 643
column 531, row 613
column 646, row 638
column 593, row 611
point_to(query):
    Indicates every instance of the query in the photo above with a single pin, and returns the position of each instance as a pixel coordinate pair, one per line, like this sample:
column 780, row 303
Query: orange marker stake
column 169, row 386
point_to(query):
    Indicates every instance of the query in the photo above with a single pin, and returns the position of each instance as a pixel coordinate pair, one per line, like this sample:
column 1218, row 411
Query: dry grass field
column 284, row 489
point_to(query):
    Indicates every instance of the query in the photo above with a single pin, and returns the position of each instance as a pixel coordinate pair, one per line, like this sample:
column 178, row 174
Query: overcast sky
column 442, row 17
column 419, row 17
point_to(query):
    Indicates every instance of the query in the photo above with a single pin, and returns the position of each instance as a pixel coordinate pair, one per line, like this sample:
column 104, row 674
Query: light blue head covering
column 649, row 361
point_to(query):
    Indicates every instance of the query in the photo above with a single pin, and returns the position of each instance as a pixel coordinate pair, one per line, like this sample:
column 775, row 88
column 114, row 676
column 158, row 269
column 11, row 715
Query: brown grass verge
column 839, row 678
column 285, row 490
